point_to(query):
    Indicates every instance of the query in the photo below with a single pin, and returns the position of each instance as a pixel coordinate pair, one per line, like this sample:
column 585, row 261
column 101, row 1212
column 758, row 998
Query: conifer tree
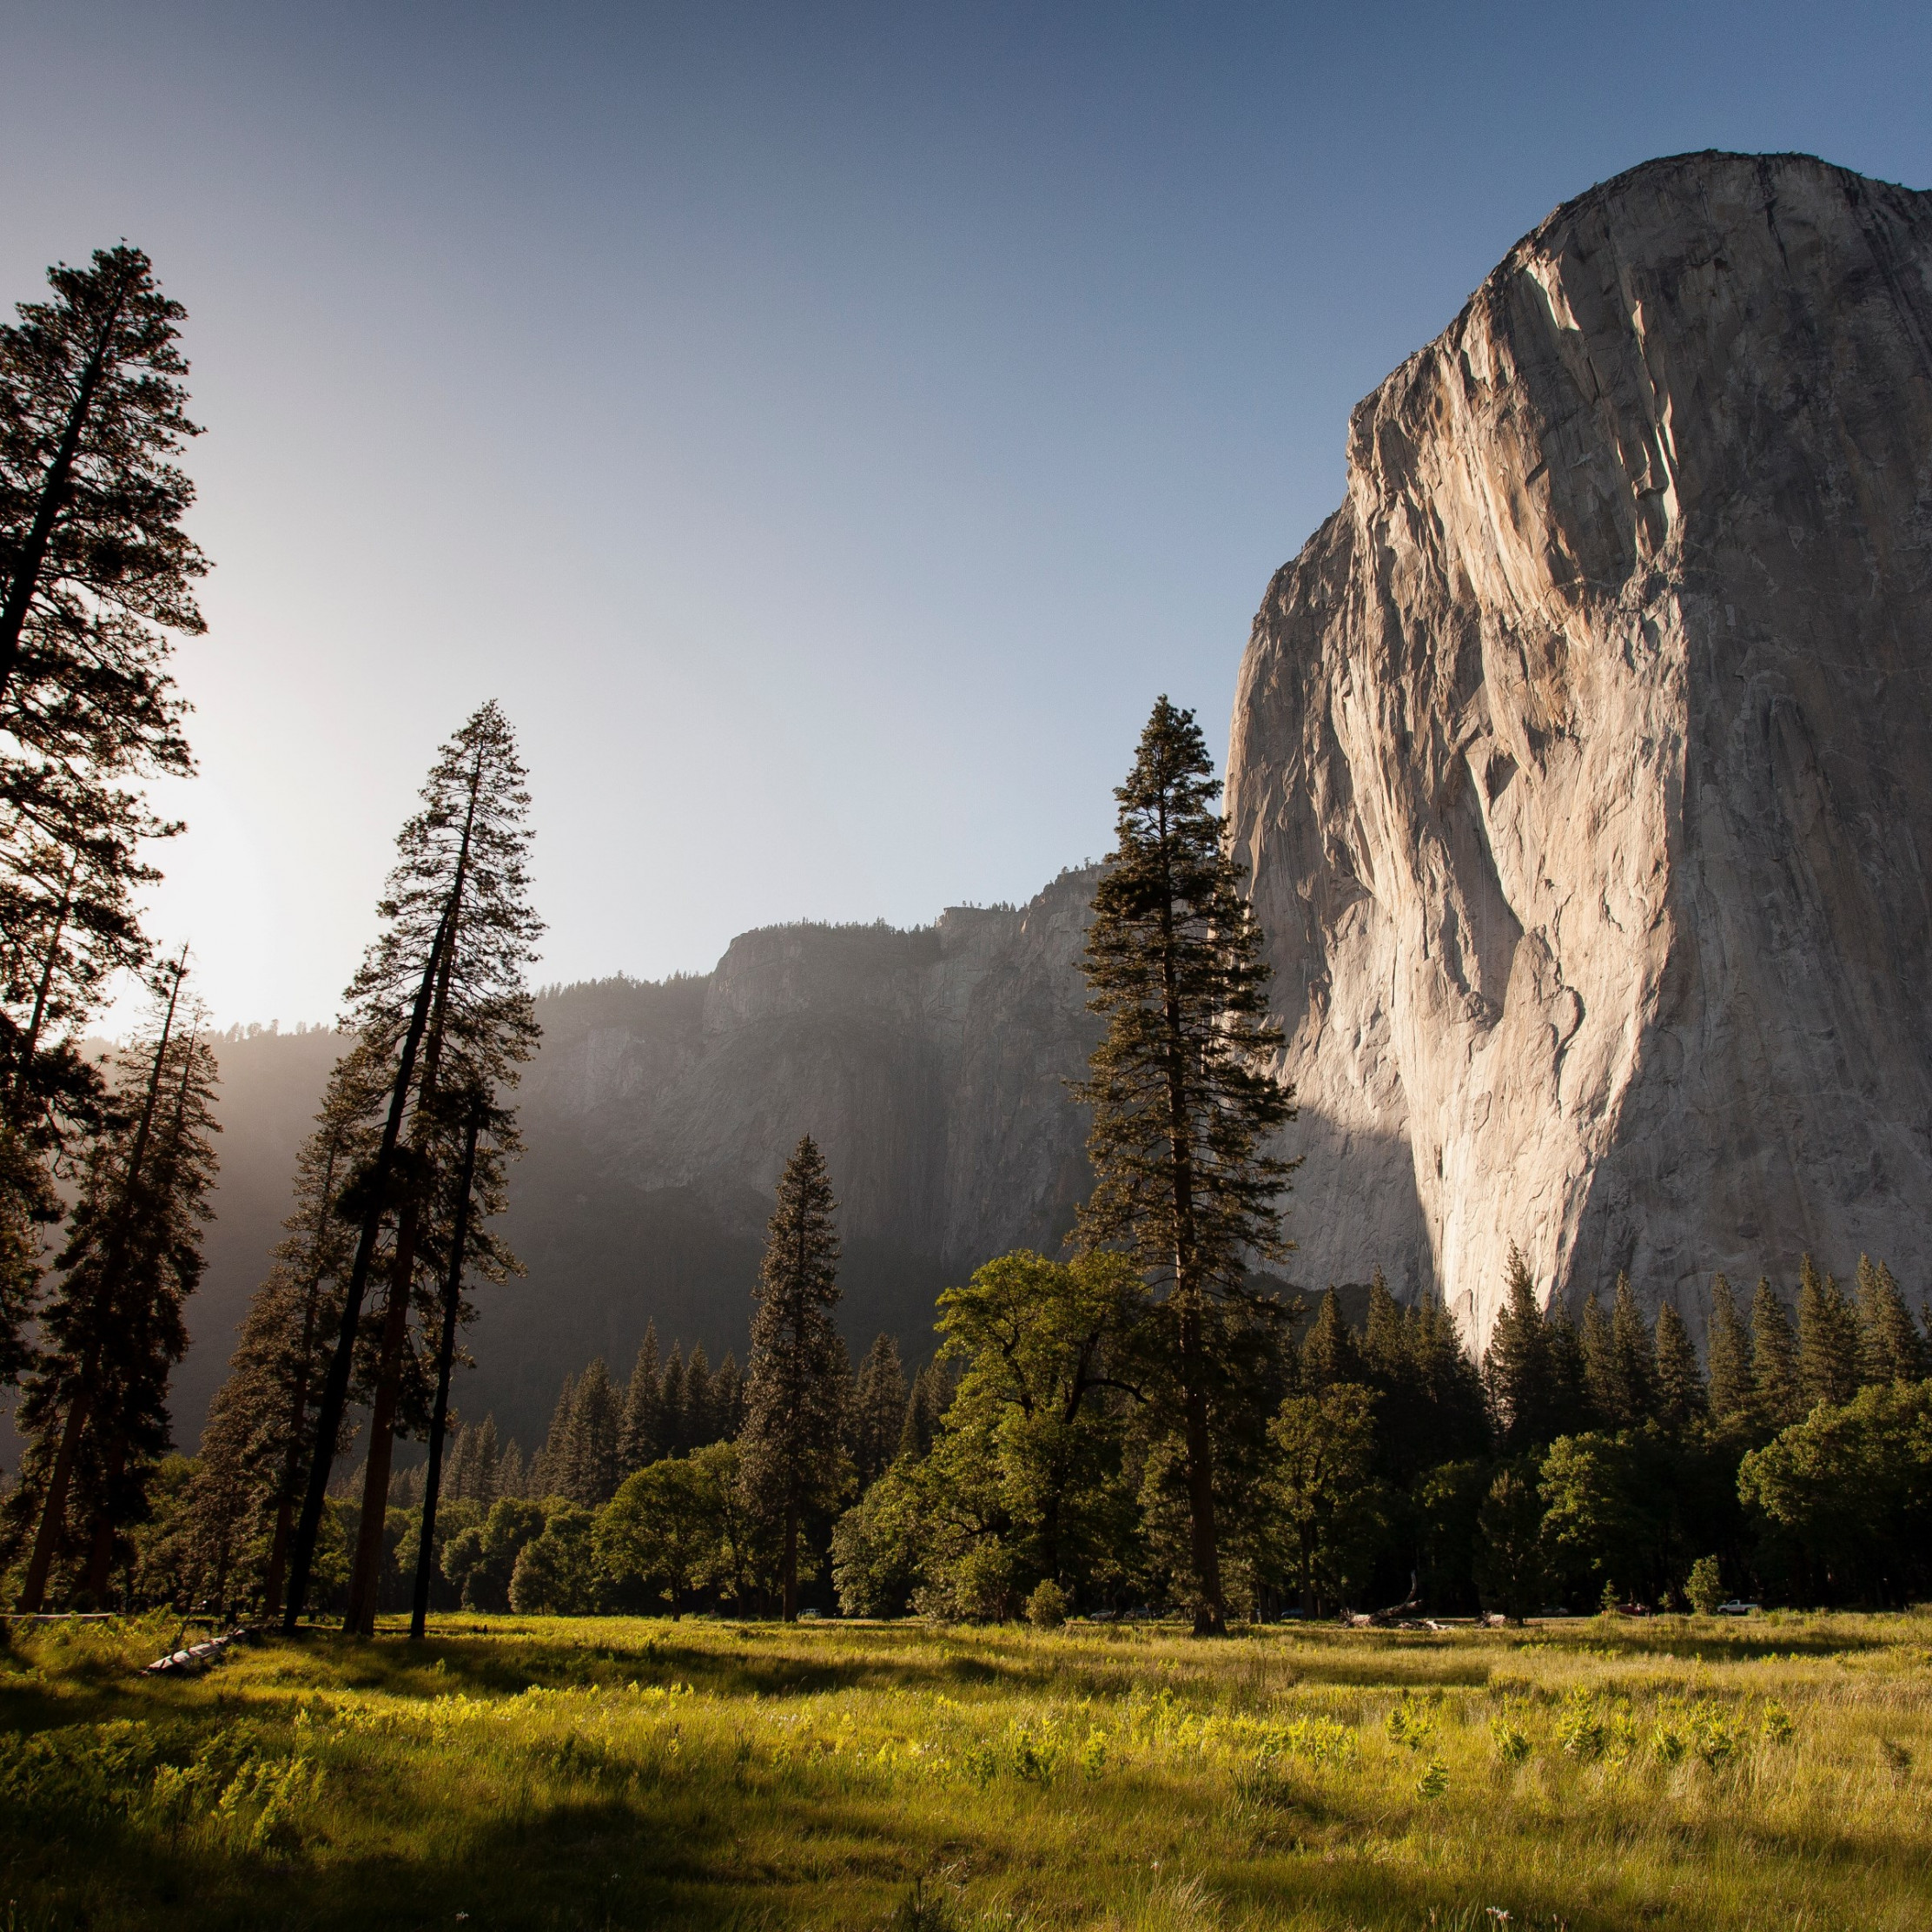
column 1728, row 1350
column 441, row 998
column 549, row 1468
column 484, row 1479
column 1634, row 1357
column 1449, row 1390
column 96, row 564
column 1520, row 1369
column 677, row 1417
column 1680, row 1390
column 1183, row 1106
column 94, row 582
column 1329, row 1351
column 727, row 1399
column 1830, row 1346
column 1386, row 1340
column 700, row 1427
column 1777, row 1398
column 256, row 1444
column 925, row 1409
column 790, row 1453
column 490, row 1139
column 641, row 1432
column 95, row 1411
column 589, row 1473
column 1599, row 1366
column 1894, row 1349
column 878, row 1410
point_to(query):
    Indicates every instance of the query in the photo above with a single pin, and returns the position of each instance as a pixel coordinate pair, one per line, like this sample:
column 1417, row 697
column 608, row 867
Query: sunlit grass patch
column 615, row 1772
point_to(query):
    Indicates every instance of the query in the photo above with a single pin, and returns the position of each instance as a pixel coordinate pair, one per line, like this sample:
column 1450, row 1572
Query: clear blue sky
column 825, row 428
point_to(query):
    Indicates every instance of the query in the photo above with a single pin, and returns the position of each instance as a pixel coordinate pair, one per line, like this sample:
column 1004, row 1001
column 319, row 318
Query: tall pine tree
column 96, row 577
column 1521, row 1370
column 790, row 1453
column 641, row 1431
column 440, row 999
column 878, row 1412
column 1831, row 1347
column 1728, row 1353
column 1183, row 1104
column 1894, row 1349
column 256, row 1444
column 95, row 1411
column 1681, row 1397
column 1777, row 1396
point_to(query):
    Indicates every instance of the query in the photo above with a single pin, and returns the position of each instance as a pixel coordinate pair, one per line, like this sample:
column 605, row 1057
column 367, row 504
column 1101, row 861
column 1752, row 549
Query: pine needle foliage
column 1894, row 1349
column 259, row 1437
column 443, row 1003
column 1682, row 1399
column 1184, row 1103
column 1728, row 1354
column 1830, row 1346
column 791, row 1451
column 1777, row 1396
column 878, row 1412
column 96, row 582
column 95, row 1409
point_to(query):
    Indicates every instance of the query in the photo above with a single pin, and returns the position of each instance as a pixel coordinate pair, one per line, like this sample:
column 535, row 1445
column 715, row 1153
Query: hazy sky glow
column 825, row 428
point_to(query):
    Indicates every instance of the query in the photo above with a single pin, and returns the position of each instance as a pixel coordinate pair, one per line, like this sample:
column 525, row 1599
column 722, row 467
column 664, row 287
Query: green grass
column 617, row 1772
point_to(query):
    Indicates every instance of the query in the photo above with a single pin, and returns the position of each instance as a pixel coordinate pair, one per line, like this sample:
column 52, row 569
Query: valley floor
column 531, row 1773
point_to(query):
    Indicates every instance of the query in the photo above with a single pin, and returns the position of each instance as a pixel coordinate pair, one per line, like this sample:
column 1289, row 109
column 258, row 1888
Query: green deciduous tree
column 1323, row 1490
column 1510, row 1573
column 791, row 1447
column 1845, row 1496
column 1035, row 1424
column 1183, row 1103
column 558, row 1573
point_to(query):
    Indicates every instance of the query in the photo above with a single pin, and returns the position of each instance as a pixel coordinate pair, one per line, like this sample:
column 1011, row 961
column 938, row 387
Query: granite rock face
column 1583, row 759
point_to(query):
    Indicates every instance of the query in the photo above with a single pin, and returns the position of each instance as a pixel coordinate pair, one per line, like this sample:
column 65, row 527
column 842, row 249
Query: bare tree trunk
column 789, row 1584
column 365, row 1576
column 335, row 1390
column 445, row 1358
column 100, row 1562
column 30, row 1045
column 278, row 1553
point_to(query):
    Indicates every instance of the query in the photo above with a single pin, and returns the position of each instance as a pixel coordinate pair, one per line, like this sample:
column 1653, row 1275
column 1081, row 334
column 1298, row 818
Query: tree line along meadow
column 1143, row 1426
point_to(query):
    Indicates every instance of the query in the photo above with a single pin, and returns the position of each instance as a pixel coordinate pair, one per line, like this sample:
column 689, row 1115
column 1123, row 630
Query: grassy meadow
column 615, row 1772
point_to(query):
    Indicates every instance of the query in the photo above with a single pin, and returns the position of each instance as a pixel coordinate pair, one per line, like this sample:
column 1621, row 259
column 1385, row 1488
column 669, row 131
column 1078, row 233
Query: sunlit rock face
column 1584, row 758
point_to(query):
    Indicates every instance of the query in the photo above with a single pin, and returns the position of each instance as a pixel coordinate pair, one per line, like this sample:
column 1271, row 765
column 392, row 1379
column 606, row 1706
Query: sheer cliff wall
column 931, row 1066
column 1584, row 758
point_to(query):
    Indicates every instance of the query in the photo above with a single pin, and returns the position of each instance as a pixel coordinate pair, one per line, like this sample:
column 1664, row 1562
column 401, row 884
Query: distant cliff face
column 1584, row 758
column 931, row 1066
